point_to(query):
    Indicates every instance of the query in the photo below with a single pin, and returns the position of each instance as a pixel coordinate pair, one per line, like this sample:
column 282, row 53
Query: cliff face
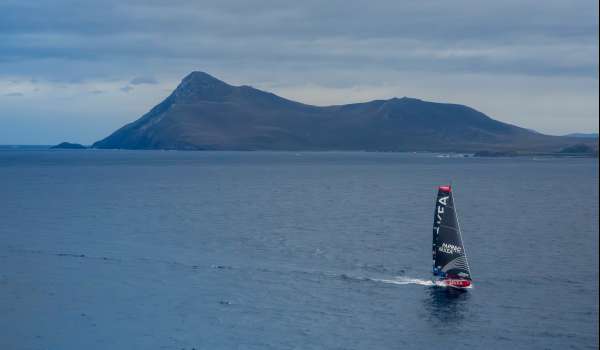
column 204, row 113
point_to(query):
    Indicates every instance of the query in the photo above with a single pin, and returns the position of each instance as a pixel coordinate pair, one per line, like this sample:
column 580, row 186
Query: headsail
column 449, row 258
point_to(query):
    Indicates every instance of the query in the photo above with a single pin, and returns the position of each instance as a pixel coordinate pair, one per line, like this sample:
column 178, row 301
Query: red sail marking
column 445, row 188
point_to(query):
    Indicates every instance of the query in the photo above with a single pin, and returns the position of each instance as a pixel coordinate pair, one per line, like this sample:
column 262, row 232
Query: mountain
column 204, row 113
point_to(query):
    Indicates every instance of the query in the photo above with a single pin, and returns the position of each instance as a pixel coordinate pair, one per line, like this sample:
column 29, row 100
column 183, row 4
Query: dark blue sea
column 260, row 250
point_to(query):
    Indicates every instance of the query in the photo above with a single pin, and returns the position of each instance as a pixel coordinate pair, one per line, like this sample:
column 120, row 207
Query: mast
column 449, row 257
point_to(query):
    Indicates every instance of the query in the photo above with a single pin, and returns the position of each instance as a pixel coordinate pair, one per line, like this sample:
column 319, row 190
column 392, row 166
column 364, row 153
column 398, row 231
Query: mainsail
column 449, row 258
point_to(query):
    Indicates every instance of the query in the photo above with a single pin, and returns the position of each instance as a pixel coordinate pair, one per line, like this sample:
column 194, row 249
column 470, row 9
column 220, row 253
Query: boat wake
column 396, row 280
column 418, row 281
column 407, row 280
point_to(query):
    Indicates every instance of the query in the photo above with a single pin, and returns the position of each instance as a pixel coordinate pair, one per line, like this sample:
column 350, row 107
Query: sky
column 76, row 70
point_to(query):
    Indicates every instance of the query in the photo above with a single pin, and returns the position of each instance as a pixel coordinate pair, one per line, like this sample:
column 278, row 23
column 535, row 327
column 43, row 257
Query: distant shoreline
column 440, row 154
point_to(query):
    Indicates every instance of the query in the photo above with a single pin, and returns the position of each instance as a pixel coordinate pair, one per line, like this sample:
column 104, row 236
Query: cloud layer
column 492, row 56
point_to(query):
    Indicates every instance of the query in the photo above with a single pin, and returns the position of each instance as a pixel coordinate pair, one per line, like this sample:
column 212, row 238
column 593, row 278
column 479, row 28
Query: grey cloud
column 520, row 37
column 126, row 88
column 143, row 80
column 14, row 94
column 438, row 19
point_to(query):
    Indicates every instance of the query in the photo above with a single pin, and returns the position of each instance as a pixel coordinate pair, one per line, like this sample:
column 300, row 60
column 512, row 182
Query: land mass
column 68, row 145
column 205, row 113
column 583, row 135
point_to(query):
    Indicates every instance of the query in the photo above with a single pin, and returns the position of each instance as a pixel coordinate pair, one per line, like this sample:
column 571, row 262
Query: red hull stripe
column 457, row 283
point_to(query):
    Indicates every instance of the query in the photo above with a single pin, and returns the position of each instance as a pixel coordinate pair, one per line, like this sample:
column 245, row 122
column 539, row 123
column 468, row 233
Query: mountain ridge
column 205, row 113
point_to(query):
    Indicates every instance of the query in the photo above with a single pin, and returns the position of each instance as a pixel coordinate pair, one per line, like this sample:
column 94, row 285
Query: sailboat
column 450, row 265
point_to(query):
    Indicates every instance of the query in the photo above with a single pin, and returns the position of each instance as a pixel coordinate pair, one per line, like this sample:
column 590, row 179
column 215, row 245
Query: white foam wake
column 407, row 280
column 422, row 282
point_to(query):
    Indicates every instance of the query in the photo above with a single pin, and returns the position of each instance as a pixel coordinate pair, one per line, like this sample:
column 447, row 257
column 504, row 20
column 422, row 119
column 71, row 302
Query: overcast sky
column 77, row 70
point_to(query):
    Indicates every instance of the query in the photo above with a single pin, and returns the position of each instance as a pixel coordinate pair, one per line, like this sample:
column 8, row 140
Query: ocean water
column 259, row 250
